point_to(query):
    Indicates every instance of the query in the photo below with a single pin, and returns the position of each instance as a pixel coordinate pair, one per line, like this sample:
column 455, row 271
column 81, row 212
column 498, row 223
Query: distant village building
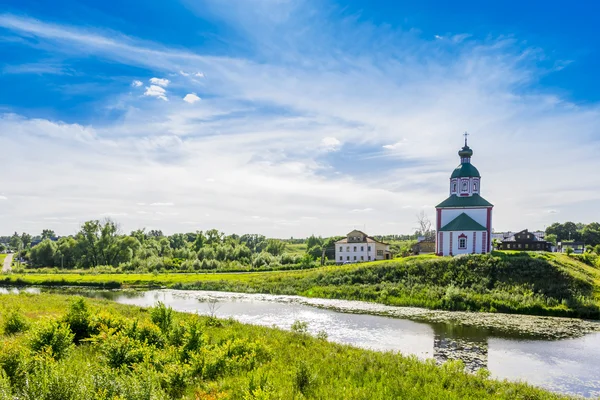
column 358, row 247
column 424, row 245
column 577, row 247
column 464, row 220
column 525, row 241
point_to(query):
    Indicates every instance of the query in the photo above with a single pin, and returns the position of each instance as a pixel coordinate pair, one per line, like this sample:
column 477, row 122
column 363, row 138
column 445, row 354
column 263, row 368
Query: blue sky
column 292, row 117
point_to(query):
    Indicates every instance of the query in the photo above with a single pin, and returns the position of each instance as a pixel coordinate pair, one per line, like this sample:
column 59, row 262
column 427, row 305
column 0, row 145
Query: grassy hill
column 525, row 283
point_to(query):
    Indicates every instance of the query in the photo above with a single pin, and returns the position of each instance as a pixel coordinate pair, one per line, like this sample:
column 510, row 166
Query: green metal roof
column 465, row 170
column 463, row 223
column 455, row 201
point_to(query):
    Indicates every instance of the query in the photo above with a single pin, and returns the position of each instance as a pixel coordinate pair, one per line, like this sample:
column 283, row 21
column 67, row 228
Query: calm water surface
column 569, row 366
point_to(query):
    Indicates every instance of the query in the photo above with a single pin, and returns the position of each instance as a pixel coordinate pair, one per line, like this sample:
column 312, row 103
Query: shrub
column 162, row 316
column 120, row 350
column 300, row 327
column 175, row 379
column 5, row 391
column 146, row 333
column 13, row 361
column 303, row 378
column 53, row 337
column 193, row 339
column 78, row 319
column 15, row 322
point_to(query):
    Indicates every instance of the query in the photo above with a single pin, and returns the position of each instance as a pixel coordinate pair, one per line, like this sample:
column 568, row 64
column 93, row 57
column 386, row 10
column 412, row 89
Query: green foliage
column 120, row 350
column 230, row 360
column 162, row 316
column 15, row 322
column 300, row 327
column 78, row 319
column 303, row 378
column 52, row 337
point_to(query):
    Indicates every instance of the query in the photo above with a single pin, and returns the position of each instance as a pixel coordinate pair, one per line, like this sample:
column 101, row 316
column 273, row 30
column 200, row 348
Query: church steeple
column 465, row 153
column 465, row 178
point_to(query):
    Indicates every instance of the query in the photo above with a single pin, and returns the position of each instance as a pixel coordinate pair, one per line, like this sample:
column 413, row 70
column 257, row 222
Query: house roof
column 368, row 239
column 455, row 201
column 463, row 223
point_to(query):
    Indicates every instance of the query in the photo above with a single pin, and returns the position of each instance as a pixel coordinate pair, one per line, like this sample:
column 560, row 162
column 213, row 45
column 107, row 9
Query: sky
column 294, row 117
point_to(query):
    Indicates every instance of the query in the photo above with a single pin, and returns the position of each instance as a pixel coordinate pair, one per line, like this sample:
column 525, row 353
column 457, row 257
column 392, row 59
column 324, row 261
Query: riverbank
column 543, row 284
column 183, row 355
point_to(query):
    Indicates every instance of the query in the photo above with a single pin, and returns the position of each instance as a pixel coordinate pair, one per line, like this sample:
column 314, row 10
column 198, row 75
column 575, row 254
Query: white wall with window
column 354, row 252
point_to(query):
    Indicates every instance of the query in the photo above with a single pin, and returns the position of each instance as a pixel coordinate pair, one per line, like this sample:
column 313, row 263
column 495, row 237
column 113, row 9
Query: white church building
column 464, row 220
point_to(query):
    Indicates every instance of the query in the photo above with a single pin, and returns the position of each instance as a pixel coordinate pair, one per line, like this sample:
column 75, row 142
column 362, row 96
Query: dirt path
column 7, row 263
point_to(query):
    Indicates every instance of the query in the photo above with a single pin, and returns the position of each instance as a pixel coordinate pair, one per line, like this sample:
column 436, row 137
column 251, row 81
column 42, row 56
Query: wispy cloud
column 136, row 83
column 257, row 143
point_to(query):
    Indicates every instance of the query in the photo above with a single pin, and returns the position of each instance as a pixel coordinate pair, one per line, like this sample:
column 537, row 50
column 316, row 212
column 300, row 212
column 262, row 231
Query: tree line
column 571, row 231
column 101, row 244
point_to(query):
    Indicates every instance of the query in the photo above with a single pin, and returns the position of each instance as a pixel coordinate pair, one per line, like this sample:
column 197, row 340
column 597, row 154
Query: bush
column 15, row 322
column 303, row 378
column 52, row 337
column 13, row 361
column 120, row 350
column 146, row 333
column 162, row 316
column 78, row 319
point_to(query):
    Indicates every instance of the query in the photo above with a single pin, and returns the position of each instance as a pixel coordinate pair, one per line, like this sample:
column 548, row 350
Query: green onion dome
column 465, row 152
column 465, row 170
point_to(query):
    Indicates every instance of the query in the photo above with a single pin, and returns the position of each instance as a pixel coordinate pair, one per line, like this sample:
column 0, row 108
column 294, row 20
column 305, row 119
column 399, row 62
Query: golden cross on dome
column 465, row 135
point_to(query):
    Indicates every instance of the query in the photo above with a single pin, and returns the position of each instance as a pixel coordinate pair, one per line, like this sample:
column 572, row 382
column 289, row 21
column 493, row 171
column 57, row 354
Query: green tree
column 590, row 234
column 25, row 239
column 313, row 241
column 48, row 234
column 552, row 238
column 177, row 241
column 597, row 249
column 66, row 253
column 43, row 254
column 275, row 247
column 15, row 242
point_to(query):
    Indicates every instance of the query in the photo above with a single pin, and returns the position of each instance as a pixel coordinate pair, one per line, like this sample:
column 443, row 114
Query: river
column 570, row 366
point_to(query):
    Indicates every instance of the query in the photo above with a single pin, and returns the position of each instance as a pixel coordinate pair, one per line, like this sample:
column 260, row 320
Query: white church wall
column 446, row 246
column 478, row 214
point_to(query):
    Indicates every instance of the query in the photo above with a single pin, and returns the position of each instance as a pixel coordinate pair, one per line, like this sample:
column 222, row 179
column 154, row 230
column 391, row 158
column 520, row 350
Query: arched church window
column 465, row 186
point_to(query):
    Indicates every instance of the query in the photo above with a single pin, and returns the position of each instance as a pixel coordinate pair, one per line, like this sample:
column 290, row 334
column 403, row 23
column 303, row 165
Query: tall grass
column 197, row 358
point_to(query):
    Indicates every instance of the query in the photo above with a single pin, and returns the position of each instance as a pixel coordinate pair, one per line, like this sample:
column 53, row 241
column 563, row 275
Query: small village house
column 360, row 247
column 525, row 241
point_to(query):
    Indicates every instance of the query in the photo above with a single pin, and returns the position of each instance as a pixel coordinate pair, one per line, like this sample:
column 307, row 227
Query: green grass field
column 61, row 347
column 295, row 248
column 526, row 283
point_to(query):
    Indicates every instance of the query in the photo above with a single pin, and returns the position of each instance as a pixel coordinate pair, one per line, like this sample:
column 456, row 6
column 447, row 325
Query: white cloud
column 160, row 82
column 183, row 73
column 156, row 91
column 362, row 210
column 136, row 83
column 274, row 164
column 191, row 98
column 3, row 197
column 330, row 144
column 199, row 74
column 158, row 204
column 392, row 146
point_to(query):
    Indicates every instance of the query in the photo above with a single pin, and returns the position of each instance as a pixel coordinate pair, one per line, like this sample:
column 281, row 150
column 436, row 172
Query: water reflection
column 567, row 366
